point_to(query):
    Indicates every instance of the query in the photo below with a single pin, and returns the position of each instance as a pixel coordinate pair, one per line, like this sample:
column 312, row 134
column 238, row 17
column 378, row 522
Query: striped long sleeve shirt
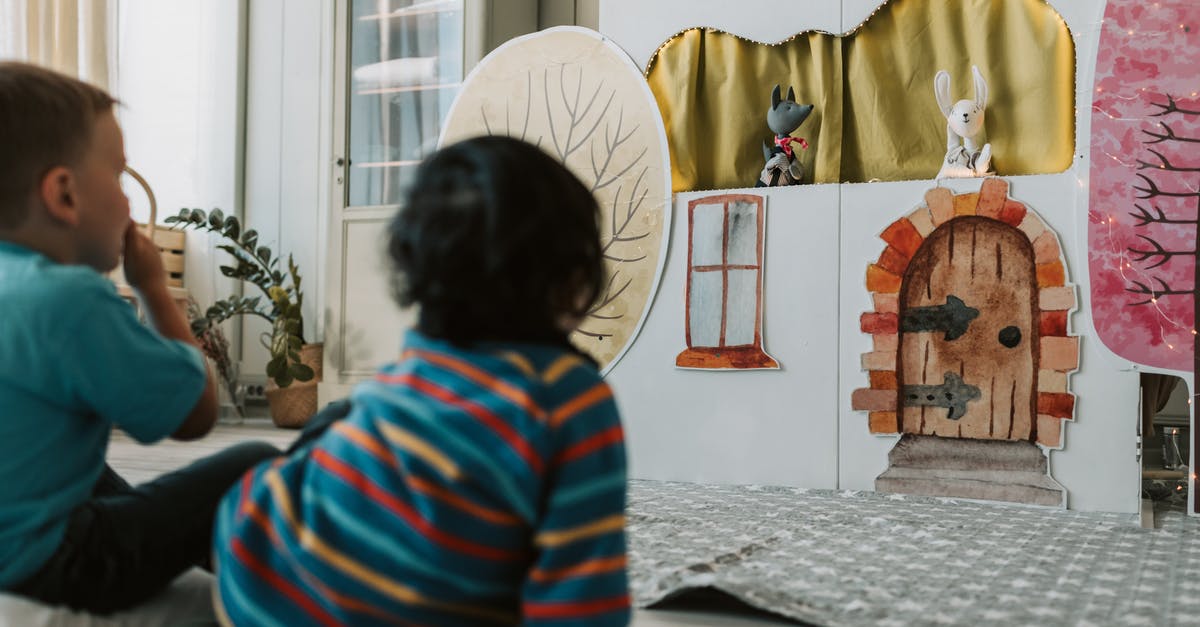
column 465, row 487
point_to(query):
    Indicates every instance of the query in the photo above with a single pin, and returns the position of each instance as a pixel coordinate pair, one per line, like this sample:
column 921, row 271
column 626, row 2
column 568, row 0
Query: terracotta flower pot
column 292, row 406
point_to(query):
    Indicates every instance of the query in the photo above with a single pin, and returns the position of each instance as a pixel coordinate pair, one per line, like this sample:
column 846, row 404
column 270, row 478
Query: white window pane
column 708, row 226
column 742, row 307
column 405, row 68
column 704, row 308
column 743, row 234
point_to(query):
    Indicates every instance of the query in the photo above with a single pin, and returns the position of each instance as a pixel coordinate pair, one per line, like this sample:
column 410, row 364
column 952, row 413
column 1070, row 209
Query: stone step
column 928, row 451
column 972, row 469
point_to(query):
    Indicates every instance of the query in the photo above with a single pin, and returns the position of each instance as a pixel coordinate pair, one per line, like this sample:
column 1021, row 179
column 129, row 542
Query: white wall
column 767, row 426
column 795, row 426
column 640, row 27
column 178, row 82
column 289, row 90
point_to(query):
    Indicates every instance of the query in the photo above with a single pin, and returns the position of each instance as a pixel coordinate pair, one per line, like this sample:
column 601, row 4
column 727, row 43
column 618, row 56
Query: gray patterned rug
column 863, row 558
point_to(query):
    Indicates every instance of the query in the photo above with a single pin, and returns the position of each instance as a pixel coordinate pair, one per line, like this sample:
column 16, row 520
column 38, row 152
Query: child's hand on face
column 143, row 263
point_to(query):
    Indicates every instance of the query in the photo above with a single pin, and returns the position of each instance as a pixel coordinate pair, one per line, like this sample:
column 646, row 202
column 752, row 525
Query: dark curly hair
column 497, row 241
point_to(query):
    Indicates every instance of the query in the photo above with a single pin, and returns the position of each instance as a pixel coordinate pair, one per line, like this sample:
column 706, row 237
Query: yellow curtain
column 70, row 36
column 716, row 114
column 876, row 117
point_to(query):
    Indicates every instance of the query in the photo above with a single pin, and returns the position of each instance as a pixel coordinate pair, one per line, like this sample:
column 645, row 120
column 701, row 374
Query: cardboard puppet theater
column 948, row 217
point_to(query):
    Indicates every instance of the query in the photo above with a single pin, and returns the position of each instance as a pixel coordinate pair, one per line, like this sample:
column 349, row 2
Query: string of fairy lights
column 798, row 34
column 1130, row 273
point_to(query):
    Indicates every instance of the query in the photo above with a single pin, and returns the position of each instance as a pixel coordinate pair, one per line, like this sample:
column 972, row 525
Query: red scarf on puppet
column 786, row 144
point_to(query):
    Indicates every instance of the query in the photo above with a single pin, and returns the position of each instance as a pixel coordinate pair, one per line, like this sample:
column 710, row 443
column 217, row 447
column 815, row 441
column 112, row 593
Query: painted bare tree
column 581, row 119
column 1144, row 191
column 585, row 103
column 1166, row 242
column 1144, row 186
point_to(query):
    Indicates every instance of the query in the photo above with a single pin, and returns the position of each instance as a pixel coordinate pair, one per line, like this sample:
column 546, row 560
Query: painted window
column 724, row 285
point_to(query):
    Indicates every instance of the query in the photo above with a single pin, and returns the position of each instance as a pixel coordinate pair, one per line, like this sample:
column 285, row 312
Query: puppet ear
column 941, row 91
column 775, row 97
column 981, row 89
column 791, row 95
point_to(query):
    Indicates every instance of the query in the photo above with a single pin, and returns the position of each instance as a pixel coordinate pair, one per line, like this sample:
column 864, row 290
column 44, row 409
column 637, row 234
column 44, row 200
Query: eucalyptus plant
column 259, row 266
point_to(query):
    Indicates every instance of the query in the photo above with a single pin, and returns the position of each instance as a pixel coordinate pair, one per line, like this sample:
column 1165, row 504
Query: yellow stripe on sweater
column 553, row 539
column 560, row 367
column 598, row 566
column 520, row 362
column 420, row 448
column 313, row 543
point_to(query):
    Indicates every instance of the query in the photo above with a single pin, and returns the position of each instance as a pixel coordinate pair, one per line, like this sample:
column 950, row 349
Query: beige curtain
column 71, row 36
column 1156, row 390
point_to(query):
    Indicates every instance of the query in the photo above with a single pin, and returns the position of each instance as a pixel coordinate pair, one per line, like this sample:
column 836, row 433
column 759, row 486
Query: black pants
column 126, row 543
column 319, row 424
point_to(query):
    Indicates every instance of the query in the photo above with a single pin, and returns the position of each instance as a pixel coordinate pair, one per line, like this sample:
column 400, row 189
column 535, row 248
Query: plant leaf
column 301, row 372
column 276, row 366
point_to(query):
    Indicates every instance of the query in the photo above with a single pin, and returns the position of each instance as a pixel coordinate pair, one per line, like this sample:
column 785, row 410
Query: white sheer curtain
column 71, row 36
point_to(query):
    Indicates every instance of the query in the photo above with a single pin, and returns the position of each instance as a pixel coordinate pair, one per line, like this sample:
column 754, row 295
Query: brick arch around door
column 970, row 334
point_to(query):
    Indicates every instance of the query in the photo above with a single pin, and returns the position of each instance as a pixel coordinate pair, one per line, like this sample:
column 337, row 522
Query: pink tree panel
column 1145, row 181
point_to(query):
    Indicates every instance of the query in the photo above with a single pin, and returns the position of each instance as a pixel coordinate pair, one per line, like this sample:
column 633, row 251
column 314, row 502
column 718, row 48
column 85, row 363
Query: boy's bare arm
column 144, row 272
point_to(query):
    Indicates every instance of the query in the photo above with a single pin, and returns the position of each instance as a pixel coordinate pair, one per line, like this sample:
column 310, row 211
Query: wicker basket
column 292, row 406
column 170, row 244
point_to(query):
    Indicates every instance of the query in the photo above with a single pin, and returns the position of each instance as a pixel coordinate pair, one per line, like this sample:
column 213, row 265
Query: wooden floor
column 137, row 463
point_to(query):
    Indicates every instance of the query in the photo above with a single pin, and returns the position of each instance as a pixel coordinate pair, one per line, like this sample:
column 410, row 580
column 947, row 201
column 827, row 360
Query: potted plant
column 215, row 347
column 292, row 360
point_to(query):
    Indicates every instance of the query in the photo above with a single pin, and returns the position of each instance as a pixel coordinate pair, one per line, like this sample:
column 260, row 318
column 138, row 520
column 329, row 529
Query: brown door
column 967, row 362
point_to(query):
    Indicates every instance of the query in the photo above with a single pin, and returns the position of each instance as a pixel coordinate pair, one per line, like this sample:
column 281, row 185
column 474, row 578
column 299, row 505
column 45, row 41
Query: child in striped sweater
column 480, row 478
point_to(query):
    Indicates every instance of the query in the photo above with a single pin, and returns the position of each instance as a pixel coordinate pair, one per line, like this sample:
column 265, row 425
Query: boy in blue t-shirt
column 75, row 361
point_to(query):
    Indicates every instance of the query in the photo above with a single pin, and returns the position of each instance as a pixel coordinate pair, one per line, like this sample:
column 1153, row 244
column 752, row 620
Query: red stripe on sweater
column 389, row 501
column 360, row 440
column 591, row 444
column 575, row 609
column 259, row 518
column 244, row 495
column 481, row 413
column 296, row 595
column 496, row 385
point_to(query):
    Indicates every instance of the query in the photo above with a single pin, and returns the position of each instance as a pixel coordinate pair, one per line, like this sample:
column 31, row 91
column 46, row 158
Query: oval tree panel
column 581, row 99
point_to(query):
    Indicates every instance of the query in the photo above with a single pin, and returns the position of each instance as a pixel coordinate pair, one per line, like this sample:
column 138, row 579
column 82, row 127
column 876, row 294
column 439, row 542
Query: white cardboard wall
column 760, row 426
column 795, row 426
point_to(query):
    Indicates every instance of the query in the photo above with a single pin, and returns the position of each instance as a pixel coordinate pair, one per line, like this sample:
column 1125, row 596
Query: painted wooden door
column 967, row 362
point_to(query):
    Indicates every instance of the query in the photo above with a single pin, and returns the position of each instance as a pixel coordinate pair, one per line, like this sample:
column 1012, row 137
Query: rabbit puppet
column 782, row 163
column 964, row 122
